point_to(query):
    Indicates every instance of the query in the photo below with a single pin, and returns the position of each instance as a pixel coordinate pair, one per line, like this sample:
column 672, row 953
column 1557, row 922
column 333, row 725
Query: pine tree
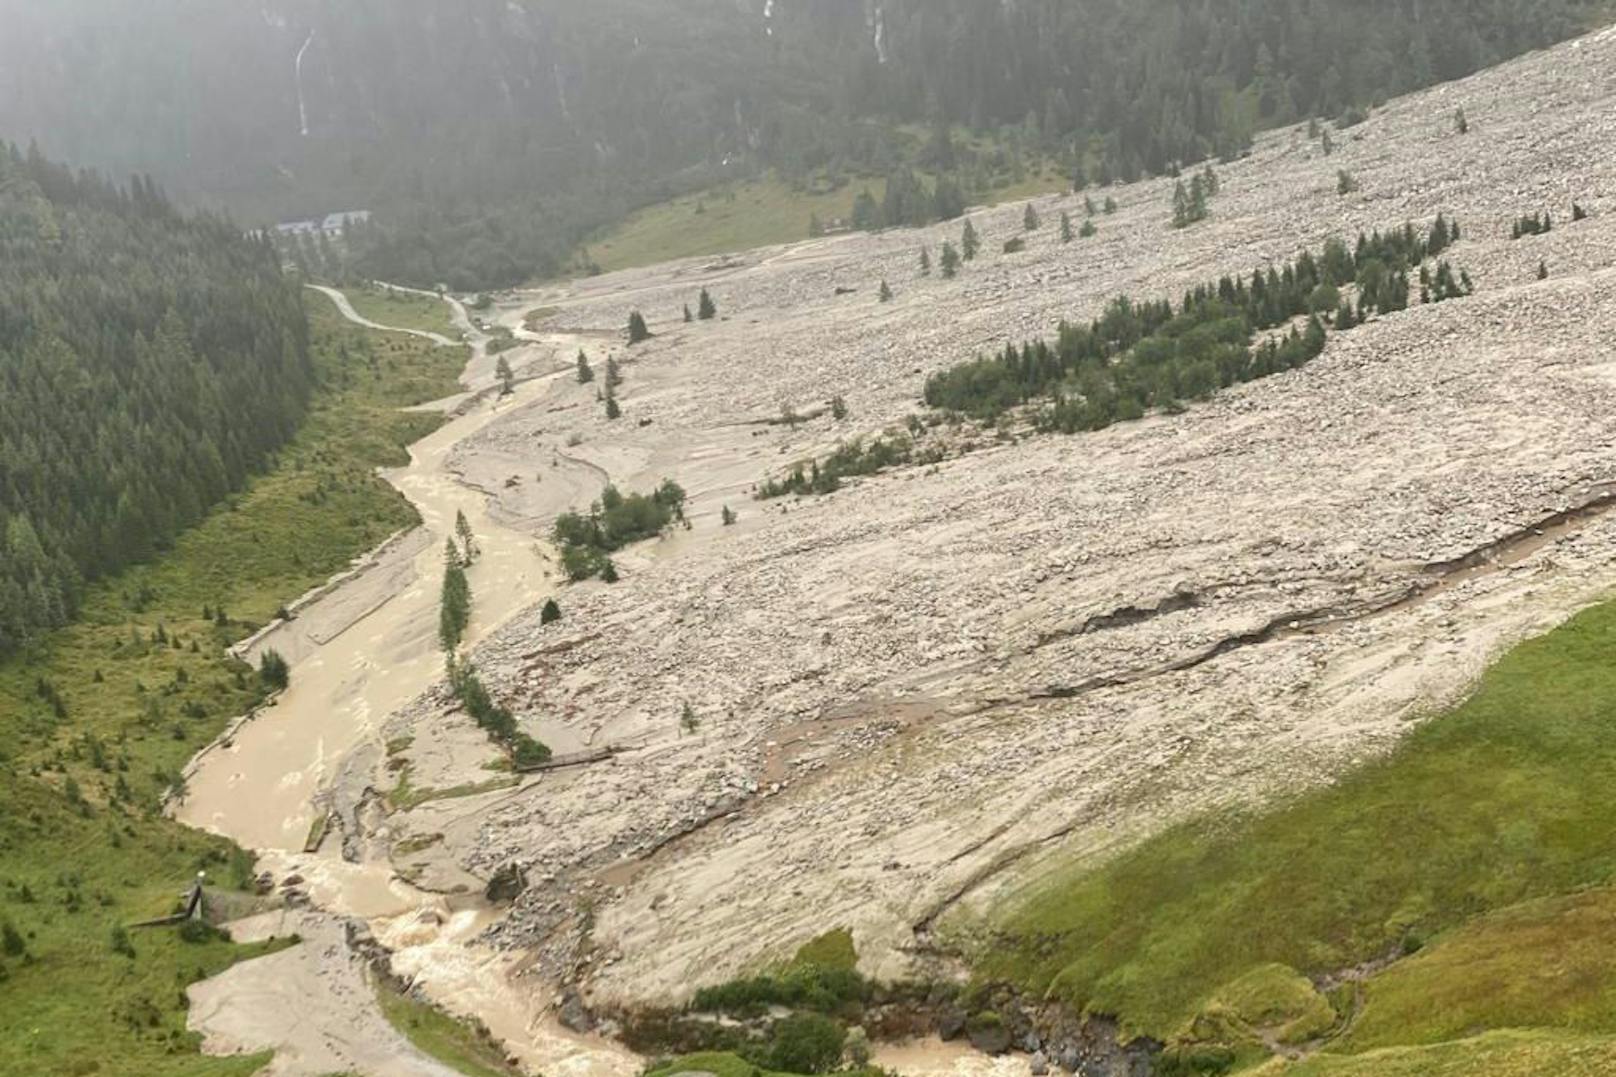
column 550, row 614
column 1460, row 122
column 586, row 374
column 951, row 261
column 969, row 241
column 866, row 212
column 1066, row 227
column 925, row 262
column 1110, row 205
column 637, row 329
column 613, row 411
column 706, row 309
column 1344, row 182
column 468, row 542
column 614, row 377
column 506, row 376
column 1181, row 205
column 886, row 292
column 727, row 516
column 1029, row 219
column 1088, row 206
column 1543, row 271
column 1087, row 230
column 688, row 317
column 1327, row 144
column 608, row 571
column 273, row 670
column 687, row 719
column 1578, row 213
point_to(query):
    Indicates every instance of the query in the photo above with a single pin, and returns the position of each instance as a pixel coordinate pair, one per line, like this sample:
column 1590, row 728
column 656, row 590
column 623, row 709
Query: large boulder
column 987, row 1033
column 507, row 884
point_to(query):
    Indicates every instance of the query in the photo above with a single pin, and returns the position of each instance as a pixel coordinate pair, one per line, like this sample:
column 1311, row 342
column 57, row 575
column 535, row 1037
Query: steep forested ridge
column 490, row 136
column 149, row 361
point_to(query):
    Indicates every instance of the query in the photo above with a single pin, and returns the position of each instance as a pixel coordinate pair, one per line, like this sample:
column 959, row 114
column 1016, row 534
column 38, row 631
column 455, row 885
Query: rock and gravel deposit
column 919, row 693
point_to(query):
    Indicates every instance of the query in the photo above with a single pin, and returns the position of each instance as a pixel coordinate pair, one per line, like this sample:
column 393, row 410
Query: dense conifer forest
column 149, row 362
column 490, row 138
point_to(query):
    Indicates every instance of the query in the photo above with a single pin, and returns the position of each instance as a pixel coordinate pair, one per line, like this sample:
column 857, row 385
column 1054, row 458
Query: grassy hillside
column 402, row 310
column 96, row 723
column 758, row 213
column 1502, row 801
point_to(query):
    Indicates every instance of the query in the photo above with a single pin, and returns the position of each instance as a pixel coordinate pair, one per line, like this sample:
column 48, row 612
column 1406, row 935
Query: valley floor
column 931, row 700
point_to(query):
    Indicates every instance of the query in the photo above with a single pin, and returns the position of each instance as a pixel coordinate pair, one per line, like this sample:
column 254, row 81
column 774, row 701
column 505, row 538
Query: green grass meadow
column 1481, row 847
column 99, row 718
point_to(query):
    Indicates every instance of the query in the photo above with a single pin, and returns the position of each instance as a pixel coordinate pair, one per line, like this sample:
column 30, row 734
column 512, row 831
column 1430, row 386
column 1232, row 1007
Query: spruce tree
column 273, row 670
column 614, row 377
column 1110, row 205
column 969, row 241
column 1087, row 230
column 468, row 542
column 608, row 571
column 586, row 374
column 728, row 516
column 1029, row 219
column 1460, row 122
column 1578, row 213
column 1066, row 227
column 688, row 318
column 1543, row 271
column 886, row 292
column 951, row 261
column 1181, row 205
column 507, row 377
column 925, row 262
column 637, row 329
column 550, row 614
column 706, row 309
column 613, row 411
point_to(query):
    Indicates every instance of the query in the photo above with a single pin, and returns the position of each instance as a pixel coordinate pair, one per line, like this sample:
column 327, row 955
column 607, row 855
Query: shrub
column 527, row 752
column 804, row 1043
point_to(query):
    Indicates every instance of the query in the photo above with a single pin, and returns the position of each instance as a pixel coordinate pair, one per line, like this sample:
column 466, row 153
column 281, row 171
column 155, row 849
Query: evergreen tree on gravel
column 637, row 329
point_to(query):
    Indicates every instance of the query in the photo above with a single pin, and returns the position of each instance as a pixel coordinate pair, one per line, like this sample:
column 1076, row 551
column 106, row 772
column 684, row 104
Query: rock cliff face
column 914, row 694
